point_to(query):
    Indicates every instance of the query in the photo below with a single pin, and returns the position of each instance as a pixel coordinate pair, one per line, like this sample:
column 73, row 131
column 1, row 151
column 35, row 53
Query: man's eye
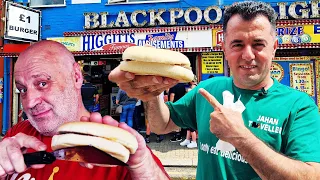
column 22, row 90
column 237, row 45
column 42, row 84
column 259, row 44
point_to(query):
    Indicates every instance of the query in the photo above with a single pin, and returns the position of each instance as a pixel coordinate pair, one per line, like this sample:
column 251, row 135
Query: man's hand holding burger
column 143, row 87
column 141, row 164
column 146, row 72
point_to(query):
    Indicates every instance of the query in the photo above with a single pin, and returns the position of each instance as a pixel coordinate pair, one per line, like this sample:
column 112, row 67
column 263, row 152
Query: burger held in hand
column 112, row 140
column 146, row 60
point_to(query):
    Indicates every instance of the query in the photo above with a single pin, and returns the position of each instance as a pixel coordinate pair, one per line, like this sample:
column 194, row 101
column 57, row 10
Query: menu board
column 212, row 62
column 301, row 77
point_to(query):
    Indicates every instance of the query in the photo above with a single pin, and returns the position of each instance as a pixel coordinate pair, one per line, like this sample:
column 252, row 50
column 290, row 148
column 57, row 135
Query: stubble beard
column 249, row 81
column 64, row 110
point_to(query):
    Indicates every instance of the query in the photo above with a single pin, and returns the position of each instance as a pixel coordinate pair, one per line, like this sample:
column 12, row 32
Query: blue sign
column 162, row 40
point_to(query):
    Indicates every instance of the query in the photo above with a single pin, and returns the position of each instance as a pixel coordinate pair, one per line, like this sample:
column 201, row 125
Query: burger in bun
column 146, row 60
column 112, row 140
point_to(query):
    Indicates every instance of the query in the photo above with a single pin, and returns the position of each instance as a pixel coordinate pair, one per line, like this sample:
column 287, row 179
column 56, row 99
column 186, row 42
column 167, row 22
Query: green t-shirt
column 286, row 119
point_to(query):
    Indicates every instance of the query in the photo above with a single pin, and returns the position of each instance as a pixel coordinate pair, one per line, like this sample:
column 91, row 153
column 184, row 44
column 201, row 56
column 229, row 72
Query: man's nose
column 248, row 54
column 33, row 98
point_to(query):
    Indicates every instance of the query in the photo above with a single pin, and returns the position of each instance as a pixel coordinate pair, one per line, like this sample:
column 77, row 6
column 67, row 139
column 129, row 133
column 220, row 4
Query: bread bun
column 143, row 60
column 72, row 140
column 112, row 140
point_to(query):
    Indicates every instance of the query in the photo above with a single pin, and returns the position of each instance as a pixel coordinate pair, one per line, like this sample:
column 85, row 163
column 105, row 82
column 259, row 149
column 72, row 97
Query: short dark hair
column 87, row 78
column 248, row 10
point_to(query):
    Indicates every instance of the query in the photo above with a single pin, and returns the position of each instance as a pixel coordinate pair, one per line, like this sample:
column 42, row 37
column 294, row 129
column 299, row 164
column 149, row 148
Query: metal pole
column 6, row 97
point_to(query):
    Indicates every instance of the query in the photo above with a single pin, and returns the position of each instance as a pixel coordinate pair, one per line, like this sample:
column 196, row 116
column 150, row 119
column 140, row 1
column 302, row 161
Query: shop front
column 100, row 51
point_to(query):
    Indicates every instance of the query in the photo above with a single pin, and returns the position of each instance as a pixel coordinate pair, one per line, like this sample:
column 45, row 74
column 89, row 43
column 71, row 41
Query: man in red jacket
column 49, row 81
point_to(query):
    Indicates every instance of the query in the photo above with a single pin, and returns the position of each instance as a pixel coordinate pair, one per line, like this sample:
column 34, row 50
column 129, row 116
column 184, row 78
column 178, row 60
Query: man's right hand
column 11, row 153
column 143, row 87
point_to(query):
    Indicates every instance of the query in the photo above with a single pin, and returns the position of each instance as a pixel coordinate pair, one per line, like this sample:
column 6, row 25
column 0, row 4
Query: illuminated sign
column 164, row 40
column 190, row 16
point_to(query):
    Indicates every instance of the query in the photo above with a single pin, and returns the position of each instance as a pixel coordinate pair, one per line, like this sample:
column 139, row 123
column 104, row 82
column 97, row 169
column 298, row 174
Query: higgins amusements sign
column 190, row 16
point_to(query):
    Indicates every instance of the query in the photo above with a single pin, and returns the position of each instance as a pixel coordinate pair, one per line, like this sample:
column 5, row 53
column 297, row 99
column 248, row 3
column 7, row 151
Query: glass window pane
column 46, row 2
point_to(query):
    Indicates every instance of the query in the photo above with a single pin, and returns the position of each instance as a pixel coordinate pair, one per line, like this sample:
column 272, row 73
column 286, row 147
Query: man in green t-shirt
column 250, row 126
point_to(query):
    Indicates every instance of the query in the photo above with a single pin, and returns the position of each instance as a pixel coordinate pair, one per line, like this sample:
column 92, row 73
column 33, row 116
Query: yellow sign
column 298, row 34
column 277, row 71
column 212, row 63
column 217, row 37
column 294, row 58
column 71, row 43
column 317, row 61
column 301, row 77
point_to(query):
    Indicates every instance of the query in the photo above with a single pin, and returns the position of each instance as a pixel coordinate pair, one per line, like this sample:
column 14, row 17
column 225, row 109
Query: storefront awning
column 142, row 30
column 104, row 52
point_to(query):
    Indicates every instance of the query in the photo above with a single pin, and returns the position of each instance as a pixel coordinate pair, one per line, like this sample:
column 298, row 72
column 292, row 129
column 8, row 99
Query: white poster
column 22, row 23
column 85, row 1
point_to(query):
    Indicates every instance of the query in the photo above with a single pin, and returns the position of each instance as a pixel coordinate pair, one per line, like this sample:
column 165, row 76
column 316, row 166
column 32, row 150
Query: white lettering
column 204, row 147
column 95, row 20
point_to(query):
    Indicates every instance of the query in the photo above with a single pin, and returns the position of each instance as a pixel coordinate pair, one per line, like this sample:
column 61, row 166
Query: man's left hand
column 225, row 123
column 142, row 151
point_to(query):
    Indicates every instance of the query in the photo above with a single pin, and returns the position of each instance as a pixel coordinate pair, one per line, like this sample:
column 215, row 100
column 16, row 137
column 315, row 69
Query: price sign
column 301, row 77
column 23, row 23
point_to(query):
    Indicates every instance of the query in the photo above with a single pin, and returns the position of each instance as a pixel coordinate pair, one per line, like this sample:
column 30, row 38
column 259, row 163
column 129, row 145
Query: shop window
column 47, row 3
column 138, row 1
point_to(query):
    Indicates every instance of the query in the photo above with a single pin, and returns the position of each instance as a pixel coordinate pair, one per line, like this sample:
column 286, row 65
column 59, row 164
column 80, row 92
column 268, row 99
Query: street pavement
column 180, row 162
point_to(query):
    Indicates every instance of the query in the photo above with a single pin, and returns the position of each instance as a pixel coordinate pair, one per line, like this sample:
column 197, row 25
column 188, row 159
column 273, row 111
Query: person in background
column 89, row 93
column 175, row 93
column 191, row 133
column 128, row 106
column 49, row 81
column 137, row 116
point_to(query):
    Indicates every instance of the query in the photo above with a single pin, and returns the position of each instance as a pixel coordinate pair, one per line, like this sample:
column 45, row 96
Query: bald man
column 49, row 81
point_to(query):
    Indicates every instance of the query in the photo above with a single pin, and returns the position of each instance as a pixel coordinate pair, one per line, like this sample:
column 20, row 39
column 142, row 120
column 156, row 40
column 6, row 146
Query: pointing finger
column 212, row 100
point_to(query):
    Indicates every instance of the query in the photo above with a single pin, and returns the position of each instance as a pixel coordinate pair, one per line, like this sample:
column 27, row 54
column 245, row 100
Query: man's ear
column 275, row 46
column 223, row 48
column 78, row 78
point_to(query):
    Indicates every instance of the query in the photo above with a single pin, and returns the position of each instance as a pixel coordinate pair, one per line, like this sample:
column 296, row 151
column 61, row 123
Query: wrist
column 245, row 139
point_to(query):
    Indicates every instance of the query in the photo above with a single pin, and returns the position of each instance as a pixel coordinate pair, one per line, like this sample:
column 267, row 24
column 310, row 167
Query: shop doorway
column 98, row 69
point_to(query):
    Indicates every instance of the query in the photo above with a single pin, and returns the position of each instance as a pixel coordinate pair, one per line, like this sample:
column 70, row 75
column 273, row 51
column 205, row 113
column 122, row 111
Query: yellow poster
column 71, row 43
column 317, row 64
column 212, row 62
column 217, row 37
column 277, row 71
column 301, row 77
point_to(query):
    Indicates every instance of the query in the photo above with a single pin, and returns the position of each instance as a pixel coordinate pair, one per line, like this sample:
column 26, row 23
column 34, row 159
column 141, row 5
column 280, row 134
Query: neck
column 82, row 111
column 266, row 84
